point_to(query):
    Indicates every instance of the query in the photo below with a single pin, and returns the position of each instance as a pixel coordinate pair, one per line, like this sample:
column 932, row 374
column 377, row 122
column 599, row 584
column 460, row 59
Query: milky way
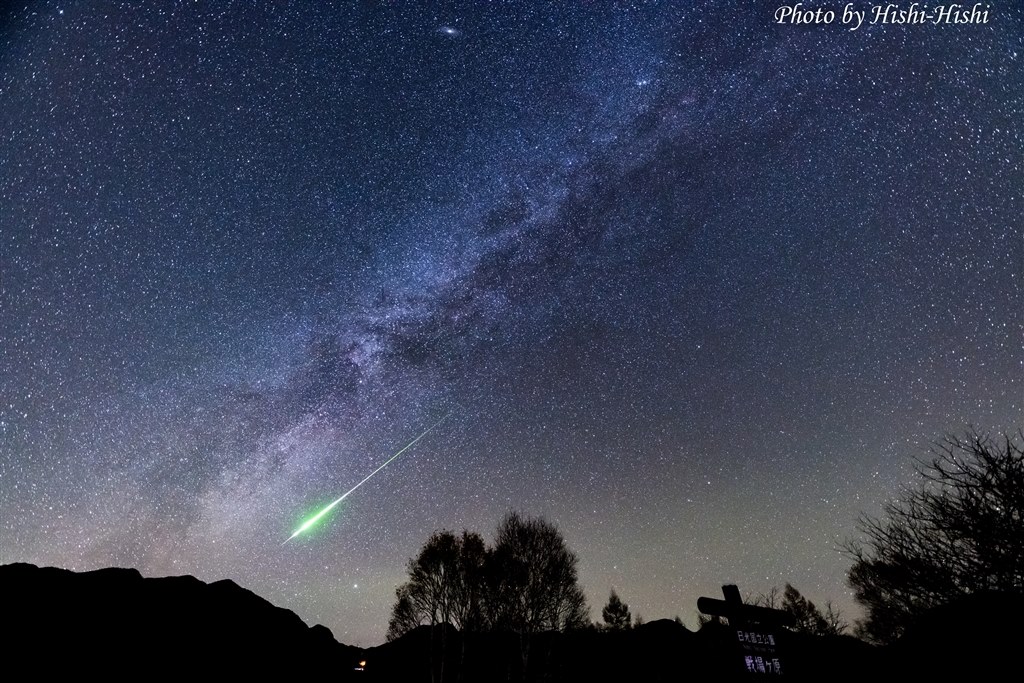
column 694, row 286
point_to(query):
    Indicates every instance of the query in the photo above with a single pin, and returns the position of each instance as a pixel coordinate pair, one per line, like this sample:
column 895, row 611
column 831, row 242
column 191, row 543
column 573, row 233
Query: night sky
column 694, row 286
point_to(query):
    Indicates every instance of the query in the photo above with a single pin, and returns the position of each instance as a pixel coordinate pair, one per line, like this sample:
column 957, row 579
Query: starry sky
column 694, row 286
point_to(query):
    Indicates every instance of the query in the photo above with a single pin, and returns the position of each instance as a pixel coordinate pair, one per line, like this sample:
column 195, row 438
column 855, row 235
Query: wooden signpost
column 756, row 630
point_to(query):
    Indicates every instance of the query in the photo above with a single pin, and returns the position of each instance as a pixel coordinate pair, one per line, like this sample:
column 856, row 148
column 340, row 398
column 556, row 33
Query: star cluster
column 694, row 286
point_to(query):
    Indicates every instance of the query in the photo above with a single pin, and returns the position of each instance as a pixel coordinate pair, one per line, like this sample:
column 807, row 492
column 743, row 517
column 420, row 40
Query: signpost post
column 755, row 630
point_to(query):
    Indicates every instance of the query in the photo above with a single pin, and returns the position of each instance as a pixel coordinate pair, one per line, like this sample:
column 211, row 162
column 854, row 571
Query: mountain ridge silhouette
column 116, row 621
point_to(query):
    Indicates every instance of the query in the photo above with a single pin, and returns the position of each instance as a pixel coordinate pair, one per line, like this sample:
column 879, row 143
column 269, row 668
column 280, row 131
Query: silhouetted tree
column 532, row 579
column 808, row 618
column 960, row 531
column 532, row 582
column 430, row 593
column 445, row 585
column 835, row 623
column 616, row 613
column 771, row 599
column 469, row 584
column 404, row 616
column 432, row 577
column 526, row 583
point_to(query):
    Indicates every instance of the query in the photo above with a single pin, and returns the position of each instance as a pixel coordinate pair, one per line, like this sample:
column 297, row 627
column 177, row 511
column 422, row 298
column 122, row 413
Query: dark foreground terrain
column 115, row 623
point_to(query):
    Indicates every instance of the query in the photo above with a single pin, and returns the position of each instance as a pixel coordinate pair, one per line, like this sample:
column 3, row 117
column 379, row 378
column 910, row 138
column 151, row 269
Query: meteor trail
column 318, row 516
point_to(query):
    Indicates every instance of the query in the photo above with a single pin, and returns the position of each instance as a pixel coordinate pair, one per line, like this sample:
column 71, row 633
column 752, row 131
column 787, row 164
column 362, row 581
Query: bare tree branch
column 958, row 532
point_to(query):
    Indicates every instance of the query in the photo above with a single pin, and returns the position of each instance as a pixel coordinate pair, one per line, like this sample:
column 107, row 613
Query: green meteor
column 318, row 516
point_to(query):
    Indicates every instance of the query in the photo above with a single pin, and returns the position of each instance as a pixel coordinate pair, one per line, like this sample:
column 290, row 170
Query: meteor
column 318, row 516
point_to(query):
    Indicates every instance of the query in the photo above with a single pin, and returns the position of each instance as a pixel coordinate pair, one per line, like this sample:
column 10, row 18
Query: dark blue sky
column 694, row 286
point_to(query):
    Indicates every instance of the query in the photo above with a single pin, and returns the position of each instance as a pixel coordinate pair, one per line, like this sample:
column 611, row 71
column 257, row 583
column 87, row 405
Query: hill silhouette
column 114, row 622
column 661, row 650
column 117, row 624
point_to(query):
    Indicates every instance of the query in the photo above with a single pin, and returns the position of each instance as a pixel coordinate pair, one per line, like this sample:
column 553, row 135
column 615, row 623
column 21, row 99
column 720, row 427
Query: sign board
column 755, row 629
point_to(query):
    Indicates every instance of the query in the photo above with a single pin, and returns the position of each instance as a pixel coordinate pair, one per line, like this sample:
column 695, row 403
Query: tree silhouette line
column 525, row 583
column 959, row 532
